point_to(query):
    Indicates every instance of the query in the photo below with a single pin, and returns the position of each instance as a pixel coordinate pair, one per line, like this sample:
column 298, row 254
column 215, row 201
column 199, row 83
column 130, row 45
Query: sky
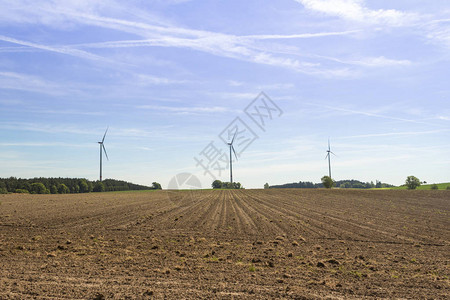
column 175, row 80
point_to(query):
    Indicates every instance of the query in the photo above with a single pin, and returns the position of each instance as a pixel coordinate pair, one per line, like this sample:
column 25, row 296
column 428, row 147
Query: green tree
column 434, row 187
column 227, row 185
column 156, row 186
column 63, row 189
column 90, row 185
column 39, row 188
column 84, row 186
column 99, row 187
column 75, row 188
column 346, row 185
column 327, row 182
column 217, row 184
column 53, row 189
column 3, row 188
column 266, row 185
column 412, row 182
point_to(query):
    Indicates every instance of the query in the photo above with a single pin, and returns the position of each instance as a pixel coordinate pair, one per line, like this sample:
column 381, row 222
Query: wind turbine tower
column 329, row 152
column 102, row 147
column 231, row 159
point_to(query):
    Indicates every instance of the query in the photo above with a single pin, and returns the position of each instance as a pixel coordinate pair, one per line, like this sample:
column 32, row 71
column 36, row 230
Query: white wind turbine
column 329, row 158
column 231, row 159
column 102, row 147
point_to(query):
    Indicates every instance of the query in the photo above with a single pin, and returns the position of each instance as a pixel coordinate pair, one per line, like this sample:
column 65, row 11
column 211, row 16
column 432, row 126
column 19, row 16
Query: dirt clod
column 320, row 264
column 99, row 296
column 333, row 262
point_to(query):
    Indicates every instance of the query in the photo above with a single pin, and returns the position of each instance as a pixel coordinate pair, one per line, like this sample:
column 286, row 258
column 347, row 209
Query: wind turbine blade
column 233, row 137
column 105, row 134
column 234, row 151
column 333, row 153
column 326, row 156
column 104, row 149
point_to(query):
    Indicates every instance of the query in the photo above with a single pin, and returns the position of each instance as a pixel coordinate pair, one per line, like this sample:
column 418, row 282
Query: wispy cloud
column 144, row 79
column 47, row 128
column 355, row 10
column 298, row 36
column 214, row 109
column 276, row 86
column 235, row 83
column 227, row 46
column 250, row 48
column 24, row 82
column 16, row 49
column 62, row 50
column 370, row 114
column 167, row 35
column 39, row 84
column 28, row 144
column 386, row 134
column 380, row 61
column 66, row 112
column 445, row 118
column 438, row 32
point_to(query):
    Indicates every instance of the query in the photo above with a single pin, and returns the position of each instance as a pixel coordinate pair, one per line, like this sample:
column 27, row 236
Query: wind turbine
column 231, row 159
column 102, row 147
column 329, row 158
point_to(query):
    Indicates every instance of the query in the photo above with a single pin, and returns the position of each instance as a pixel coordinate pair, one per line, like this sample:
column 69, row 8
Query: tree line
column 350, row 184
column 67, row 185
column 217, row 184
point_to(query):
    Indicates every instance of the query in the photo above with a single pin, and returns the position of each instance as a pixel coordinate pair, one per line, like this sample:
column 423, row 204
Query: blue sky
column 169, row 77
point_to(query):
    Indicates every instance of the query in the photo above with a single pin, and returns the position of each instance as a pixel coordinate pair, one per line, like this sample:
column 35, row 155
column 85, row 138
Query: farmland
column 277, row 243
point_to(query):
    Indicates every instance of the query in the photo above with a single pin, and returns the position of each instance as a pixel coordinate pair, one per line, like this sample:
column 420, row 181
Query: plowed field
column 258, row 244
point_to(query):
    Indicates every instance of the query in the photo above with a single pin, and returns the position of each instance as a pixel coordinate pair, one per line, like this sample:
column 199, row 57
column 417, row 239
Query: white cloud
column 226, row 46
column 62, row 50
column 380, row 61
column 370, row 114
column 155, row 80
column 393, row 134
column 371, row 62
column 68, row 112
column 276, row 86
column 48, row 128
column 158, row 34
column 235, row 83
column 214, row 109
column 299, row 36
column 355, row 10
column 24, row 82
column 29, row 144
column 32, row 83
column 438, row 32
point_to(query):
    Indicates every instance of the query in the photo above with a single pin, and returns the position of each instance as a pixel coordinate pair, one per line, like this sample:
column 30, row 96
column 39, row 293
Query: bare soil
column 242, row 244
